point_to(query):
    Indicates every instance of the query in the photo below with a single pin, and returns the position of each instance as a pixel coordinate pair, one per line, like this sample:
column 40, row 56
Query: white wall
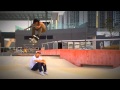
column 107, row 33
column 9, row 25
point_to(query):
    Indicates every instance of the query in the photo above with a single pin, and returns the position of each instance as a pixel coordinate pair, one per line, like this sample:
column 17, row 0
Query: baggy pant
column 38, row 66
column 40, row 31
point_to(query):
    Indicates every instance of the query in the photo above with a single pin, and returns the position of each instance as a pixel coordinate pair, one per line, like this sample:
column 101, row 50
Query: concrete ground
column 17, row 67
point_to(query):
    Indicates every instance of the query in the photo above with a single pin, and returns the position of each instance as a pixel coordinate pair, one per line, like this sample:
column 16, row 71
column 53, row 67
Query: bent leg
column 44, row 67
column 41, row 30
column 33, row 31
column 37, row 66
column 40, row 67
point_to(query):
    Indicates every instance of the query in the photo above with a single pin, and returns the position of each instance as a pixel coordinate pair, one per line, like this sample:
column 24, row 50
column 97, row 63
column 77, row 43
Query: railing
column 83, row 44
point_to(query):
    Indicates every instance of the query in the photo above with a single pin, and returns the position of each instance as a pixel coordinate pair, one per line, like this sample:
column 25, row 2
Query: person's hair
column 35, row 20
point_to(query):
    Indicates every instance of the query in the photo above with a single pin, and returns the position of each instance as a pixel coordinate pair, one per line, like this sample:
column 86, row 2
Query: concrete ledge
column 50, row 55
column 87, row 57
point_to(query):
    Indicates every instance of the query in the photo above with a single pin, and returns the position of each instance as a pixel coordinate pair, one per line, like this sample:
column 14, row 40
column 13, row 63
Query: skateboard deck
column 34, row 40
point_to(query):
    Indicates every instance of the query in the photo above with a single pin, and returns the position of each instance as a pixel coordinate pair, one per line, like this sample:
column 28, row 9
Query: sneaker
column 41, row 73
column 46, row 73
column 36, row 36
column 34, row 40
column 30, row 38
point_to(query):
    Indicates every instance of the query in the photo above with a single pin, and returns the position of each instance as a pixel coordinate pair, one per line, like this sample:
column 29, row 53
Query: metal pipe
column 83, row 41
column 119, row 45
column 46, row 15
column 85, row 37
column 28, row 22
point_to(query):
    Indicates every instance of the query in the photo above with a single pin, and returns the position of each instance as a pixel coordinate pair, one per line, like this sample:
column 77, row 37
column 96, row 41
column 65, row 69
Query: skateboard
column 34, row 40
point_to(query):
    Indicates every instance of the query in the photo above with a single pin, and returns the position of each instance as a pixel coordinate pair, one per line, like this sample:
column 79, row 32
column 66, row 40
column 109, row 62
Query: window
column 50, row 37
column 41, row 37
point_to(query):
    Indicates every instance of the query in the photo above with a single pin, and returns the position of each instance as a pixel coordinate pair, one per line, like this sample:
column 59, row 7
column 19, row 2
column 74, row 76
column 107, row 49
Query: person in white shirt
column 36, row 63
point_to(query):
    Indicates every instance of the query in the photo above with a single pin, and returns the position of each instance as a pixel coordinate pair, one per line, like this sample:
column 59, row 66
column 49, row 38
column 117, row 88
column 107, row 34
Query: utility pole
column 28, row 22
column 46, row 15
column 85, row 31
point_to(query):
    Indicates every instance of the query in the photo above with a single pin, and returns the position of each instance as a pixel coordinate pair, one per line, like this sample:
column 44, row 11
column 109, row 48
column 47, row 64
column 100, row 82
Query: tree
column 110, row 28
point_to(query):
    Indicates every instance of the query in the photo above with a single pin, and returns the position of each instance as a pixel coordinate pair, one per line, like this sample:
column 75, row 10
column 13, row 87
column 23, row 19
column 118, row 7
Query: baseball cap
column 38, row 52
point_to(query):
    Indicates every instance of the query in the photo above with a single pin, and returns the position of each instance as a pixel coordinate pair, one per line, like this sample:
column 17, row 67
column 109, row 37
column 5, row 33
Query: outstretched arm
column 40, row 61
column 28, row 27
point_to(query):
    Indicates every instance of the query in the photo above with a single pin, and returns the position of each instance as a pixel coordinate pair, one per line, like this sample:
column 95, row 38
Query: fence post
column 119, row 45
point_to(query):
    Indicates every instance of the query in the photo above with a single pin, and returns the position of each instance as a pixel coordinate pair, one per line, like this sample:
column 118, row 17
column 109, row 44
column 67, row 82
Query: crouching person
column 36, row 63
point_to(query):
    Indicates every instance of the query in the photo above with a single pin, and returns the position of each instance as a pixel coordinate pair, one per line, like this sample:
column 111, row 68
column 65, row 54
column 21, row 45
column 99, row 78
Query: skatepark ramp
column 17, row 67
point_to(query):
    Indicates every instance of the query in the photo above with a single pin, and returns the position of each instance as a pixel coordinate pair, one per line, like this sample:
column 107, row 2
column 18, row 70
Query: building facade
column 116, row 18
column 91, row 19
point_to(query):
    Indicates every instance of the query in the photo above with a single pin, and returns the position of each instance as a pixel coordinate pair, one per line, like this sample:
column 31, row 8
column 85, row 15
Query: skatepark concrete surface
column 17, row 67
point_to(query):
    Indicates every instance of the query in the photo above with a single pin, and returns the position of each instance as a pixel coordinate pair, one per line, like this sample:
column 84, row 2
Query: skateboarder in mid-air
column 38, row 26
